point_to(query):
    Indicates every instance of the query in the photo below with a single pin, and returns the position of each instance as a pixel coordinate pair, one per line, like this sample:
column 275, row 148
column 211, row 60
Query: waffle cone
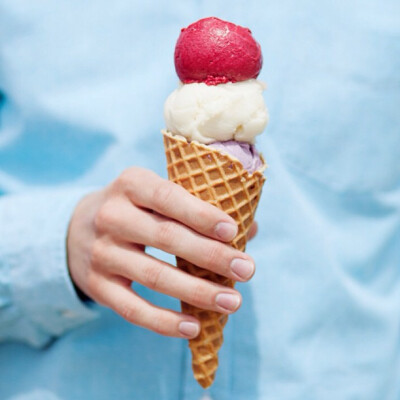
column 222, row 181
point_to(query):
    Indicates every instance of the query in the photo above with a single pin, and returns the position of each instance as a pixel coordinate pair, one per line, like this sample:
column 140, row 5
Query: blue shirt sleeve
column 37, row 298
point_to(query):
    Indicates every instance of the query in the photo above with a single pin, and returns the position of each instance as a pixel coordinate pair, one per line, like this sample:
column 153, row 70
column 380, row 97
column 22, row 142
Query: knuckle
column 201, row 216
column 128, row 312
column 200, row 295
column 131, row 180
column 165, row 234
column 163, row 193
column 152, row 276
column 124, row 179
column 215, row 256
column 162, row 324
column 104, row 217
column 127, row 179
column 97, row 254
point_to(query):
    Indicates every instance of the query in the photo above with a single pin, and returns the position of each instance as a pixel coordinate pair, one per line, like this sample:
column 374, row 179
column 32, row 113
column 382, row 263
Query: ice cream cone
column 222, row 181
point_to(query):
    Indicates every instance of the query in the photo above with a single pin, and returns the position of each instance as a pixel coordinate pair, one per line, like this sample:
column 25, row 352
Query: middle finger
column 139, row 226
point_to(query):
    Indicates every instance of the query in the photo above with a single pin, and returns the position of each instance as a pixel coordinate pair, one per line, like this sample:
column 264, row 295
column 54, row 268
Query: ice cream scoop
column 215, row 51
column 246, row 153
column 217, row 113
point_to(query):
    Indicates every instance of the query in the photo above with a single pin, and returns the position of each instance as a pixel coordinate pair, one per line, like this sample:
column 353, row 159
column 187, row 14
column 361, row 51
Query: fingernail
column 190, row 329
column 229, row 302
column 226, row 231
column 244, row 269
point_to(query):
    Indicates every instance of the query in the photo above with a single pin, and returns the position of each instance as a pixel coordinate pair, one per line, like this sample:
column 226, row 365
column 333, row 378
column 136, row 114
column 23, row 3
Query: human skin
column 106, row 243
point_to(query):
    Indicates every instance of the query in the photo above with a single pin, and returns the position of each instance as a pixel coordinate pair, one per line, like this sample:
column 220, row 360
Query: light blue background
column 83, row 88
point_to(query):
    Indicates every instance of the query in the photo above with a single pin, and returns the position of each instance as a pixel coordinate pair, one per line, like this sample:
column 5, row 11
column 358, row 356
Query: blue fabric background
column 83, row 86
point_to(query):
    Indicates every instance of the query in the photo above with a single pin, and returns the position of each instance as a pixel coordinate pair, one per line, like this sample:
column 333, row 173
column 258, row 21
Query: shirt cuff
column 41, row 288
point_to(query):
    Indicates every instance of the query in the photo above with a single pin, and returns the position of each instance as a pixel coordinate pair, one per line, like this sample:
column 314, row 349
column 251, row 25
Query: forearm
column 37, row 298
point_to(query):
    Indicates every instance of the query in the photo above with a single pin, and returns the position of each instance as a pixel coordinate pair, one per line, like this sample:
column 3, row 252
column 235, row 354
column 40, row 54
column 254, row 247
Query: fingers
column 138, row 226
column 164, row 278
column 148, row 190
column 252, row 231
column 123, row 300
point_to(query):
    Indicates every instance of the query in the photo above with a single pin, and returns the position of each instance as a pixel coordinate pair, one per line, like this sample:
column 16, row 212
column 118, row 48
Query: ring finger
column 164, row 278
column 139, row 226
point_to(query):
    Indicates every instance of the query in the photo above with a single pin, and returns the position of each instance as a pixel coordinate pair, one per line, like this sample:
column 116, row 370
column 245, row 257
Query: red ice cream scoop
column 215, row 51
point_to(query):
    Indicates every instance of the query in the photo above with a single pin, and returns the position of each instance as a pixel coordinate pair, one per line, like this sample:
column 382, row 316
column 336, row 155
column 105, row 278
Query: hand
column 106, row 250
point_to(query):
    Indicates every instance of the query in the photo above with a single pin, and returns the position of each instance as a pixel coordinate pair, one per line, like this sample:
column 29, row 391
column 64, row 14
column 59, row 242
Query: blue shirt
column 82, row 91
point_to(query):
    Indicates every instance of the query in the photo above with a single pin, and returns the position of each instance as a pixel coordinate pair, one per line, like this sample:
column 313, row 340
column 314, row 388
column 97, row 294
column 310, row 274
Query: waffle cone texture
column 222, row 181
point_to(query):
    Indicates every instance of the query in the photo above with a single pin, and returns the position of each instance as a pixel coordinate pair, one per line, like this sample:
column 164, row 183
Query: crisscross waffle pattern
column 222, row 181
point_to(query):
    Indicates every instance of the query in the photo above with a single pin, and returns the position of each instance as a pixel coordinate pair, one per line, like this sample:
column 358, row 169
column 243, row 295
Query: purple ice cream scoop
column 246, row 153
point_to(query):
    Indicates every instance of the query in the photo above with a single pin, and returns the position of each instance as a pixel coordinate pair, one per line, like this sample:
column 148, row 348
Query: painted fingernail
column 229, row 302
column 244, row 269
column 189, row 329
column 226, row 231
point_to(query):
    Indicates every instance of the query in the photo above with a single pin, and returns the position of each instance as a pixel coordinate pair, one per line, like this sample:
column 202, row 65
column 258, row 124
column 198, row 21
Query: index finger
column 150, row 191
